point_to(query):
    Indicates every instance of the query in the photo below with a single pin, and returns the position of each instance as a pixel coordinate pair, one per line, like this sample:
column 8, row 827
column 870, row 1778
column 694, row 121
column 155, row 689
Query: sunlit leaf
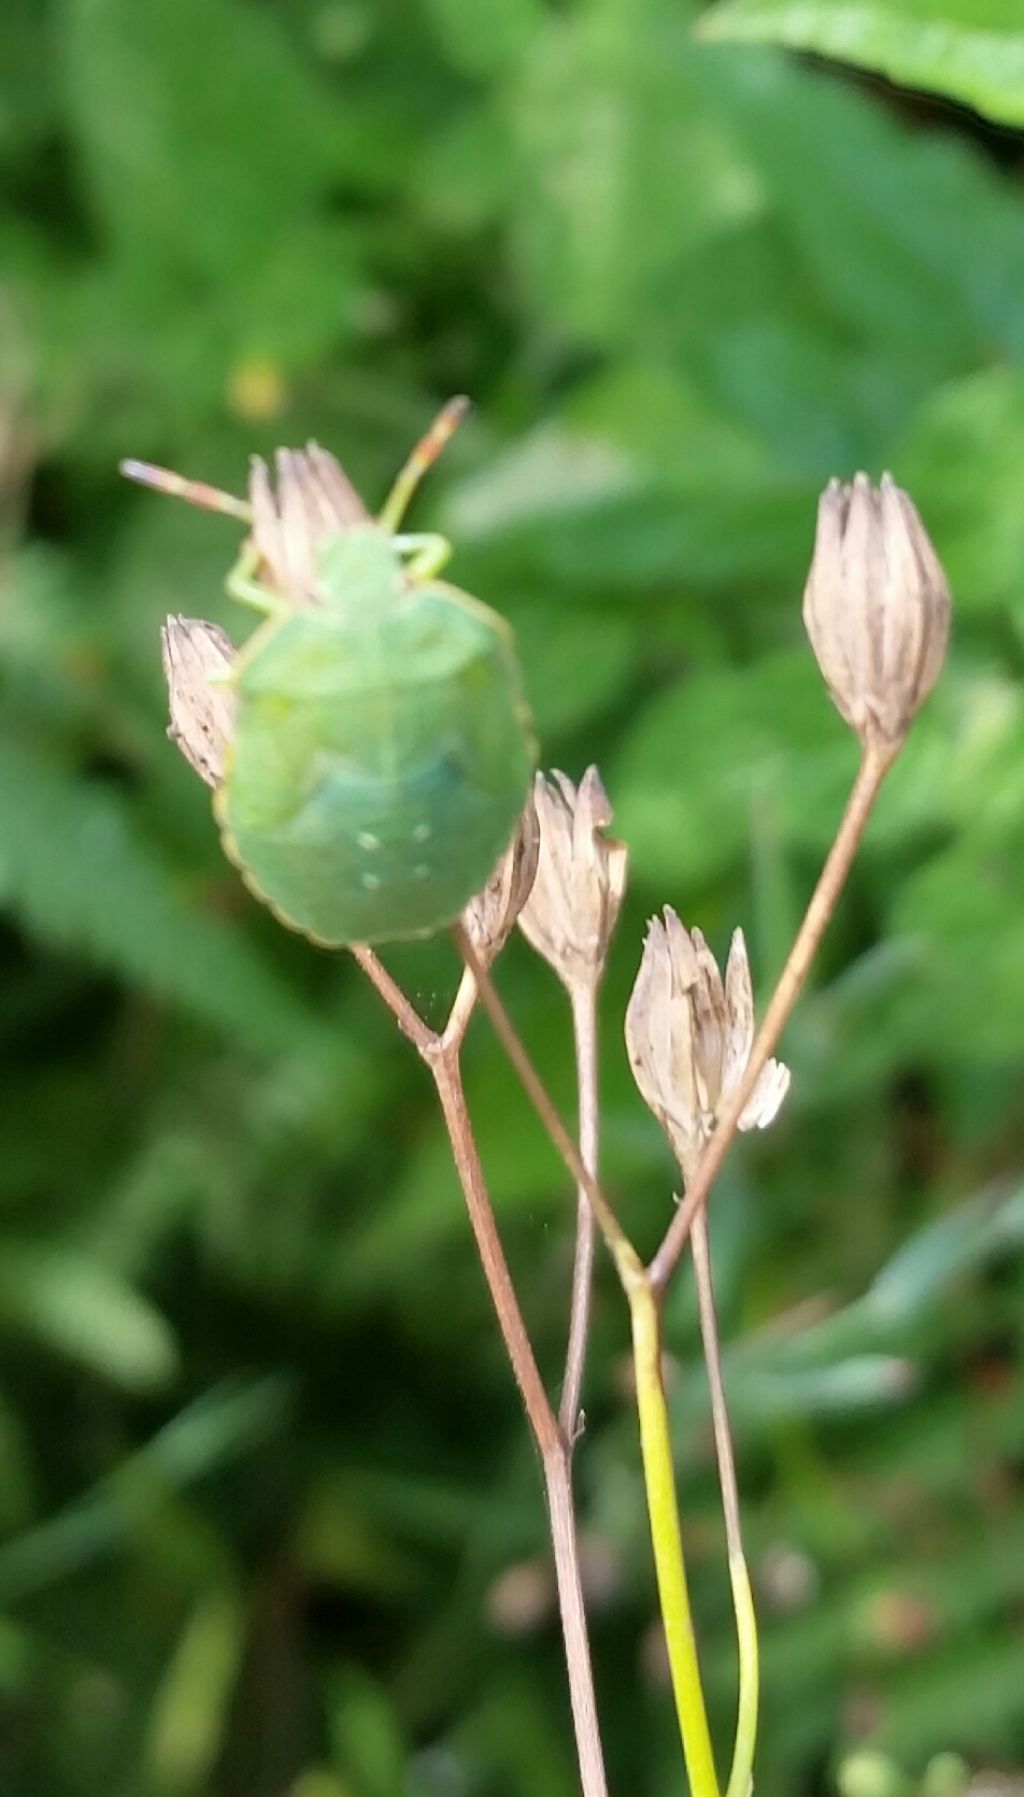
column 972, row 50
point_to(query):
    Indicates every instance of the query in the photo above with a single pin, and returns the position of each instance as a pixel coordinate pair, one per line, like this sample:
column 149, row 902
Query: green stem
column 667, row 1542
column 741, row 1776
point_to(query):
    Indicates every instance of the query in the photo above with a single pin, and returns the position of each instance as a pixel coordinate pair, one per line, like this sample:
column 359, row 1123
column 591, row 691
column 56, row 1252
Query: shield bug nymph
column 379, row 753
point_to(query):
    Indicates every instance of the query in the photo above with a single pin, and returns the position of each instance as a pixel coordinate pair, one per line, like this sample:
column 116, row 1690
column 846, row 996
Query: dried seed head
column 490, row 917
column 202, row 711
column 876, row 607
column 689, row 1037
column 314, row 500
column 572, row 910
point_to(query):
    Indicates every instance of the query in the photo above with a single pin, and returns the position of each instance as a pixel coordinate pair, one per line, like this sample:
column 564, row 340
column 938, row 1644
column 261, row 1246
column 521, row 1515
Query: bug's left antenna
column 423, row 457
column 196, row 492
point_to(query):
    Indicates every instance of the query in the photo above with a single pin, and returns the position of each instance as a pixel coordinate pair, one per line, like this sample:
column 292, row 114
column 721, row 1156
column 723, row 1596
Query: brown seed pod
column 876, row 607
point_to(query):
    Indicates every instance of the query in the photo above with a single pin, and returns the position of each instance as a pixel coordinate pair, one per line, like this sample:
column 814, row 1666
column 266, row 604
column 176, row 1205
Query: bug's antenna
column 423, row 457
column 195, row 491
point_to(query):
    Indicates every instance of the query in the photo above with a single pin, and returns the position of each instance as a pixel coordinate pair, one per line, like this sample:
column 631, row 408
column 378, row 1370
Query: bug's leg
column 196, row 492
column 427, row 553
column 423, row 457
column 243, row 586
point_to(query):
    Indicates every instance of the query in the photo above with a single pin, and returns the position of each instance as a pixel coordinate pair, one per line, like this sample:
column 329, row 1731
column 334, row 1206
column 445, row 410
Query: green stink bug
column 379, row 752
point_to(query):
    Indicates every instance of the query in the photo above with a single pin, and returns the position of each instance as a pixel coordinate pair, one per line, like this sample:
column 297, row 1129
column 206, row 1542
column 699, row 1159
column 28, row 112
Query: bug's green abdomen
column 378, row 768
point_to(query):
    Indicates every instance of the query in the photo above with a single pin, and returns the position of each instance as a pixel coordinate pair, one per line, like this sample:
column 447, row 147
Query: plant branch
column 713, row 1359
column 404, row 1012
column 562, row 1517
column 627, row 1261
column 441, row 1053
column 542, row 1420
column 584, row 1020
column 874, row 765
column 667, row 1540
column 746, row 1622
column 460, row 1013
column 655, row 1438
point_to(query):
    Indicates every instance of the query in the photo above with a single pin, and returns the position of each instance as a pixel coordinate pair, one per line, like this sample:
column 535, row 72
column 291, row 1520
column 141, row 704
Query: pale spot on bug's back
column 421, row 871
column 367, row 840
column 422, row 833
column 371, row 882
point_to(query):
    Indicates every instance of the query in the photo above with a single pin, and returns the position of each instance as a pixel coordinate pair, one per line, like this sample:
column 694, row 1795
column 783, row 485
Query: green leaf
column 198, row 128
column 219, row 1425
column 191, row 1707
column 763, row 1396
column 565, row 689
column 78, row 872
column 27, row 101
column 962, row 458
column 623, row 172
column 973, row 1684
column 972, row 50
column 963, row 910
column 82, row 1309
column 949, row 1246
column 484, row 41
column 909, row 1288
column 879, row 230
column 365, row 1733
column 709, row 752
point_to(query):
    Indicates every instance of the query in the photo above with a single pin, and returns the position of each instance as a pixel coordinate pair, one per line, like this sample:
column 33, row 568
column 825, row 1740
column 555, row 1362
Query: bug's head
column 312, row 510
column 308, row 503
column 311, row 503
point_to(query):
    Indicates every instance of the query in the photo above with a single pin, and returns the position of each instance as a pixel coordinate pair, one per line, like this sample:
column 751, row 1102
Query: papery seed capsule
column 876, row 607
column 689, row 1035
column 198, row 658
column 491, row 914
column 574, row 905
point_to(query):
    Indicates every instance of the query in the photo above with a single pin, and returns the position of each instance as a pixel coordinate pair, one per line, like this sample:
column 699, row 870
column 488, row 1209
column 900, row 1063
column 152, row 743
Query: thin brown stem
column 562, row 1517
column 873, row 768
column 448, row 1080
column 554, row 1448
column 584, row 1020
column 628, row 1263
column 405, row 1014
column 713, row 1361
column 441, row 1054
column 461, row 1012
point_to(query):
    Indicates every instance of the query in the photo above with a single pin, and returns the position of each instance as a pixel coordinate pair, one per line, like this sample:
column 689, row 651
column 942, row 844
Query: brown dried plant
column 876, row 608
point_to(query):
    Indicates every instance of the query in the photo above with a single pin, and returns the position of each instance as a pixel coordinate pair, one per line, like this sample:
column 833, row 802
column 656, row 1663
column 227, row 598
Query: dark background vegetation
column 271, row 1520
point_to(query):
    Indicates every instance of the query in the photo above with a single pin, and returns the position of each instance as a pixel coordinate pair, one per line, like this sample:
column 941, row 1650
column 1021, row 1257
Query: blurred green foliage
column 972, row 50
column 271, row 1519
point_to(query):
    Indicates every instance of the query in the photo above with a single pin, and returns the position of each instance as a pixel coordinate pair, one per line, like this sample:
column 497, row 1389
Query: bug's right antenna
column 196, row 492
column 423, row 457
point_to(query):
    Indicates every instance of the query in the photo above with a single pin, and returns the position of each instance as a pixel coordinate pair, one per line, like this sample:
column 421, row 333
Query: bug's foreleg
column 423, row 457
column 427, row 552
column 243, row 586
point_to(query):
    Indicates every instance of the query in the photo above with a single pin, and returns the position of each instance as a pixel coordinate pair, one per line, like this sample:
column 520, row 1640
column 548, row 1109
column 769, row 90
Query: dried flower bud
column 581, row 877
column 876, row 607
column 202, row 711
column 490, row 917
column 689, row 1037
column 314, row 500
